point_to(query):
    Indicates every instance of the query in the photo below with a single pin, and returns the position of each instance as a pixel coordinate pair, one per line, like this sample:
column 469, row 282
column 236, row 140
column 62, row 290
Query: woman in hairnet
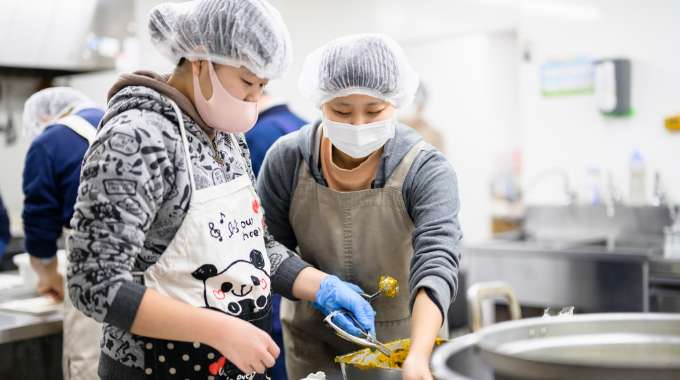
column 169, row 248
column 62, row 123
column 362, row 196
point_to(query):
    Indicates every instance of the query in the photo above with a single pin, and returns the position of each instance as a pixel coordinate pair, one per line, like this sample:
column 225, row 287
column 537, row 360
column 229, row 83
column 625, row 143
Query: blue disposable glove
column 335, row 294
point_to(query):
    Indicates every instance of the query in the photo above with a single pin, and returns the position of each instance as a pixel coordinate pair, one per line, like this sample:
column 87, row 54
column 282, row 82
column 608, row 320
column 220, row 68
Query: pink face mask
column 222, row 111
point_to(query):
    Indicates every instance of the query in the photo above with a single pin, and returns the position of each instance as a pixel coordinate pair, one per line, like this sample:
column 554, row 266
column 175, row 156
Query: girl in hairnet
column 169, row 247
column 362, row 196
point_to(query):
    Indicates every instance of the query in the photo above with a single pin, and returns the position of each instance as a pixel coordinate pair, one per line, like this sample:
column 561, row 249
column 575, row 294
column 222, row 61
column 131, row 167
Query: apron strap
column 185, row 144
column 304, row 173
column 237, row 151
column 80, row 126
column 399, row 174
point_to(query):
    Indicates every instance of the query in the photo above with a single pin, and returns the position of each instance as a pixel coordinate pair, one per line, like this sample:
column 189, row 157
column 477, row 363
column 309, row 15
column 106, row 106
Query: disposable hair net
column 248, row 33
column 45, row 107
column 368, row 64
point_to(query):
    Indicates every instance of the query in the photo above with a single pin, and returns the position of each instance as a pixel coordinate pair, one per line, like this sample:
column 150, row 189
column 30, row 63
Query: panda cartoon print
column 250, row 299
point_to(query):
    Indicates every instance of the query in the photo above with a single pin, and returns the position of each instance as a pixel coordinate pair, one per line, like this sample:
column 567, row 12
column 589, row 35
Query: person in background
column 360, row 196
column 275, row 120
column 170, row 248
column 417, row 121
column 4, row 229
column 62, row 123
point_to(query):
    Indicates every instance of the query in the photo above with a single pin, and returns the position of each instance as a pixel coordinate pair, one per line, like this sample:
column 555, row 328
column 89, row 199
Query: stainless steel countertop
column 16, row 326
column 659, row 266
column 562, row 249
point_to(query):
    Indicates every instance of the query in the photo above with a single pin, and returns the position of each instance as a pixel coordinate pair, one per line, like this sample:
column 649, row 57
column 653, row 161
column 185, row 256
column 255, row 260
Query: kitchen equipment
column 368, row 364
column 622, row 346
column 486, row 291
column 387, row 285
column 672, row 241
column 365, row 364
column 366, row 340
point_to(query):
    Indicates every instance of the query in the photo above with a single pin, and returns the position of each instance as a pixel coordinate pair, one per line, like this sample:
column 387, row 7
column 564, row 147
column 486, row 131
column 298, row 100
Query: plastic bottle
column 594, row 185
column 637, row 195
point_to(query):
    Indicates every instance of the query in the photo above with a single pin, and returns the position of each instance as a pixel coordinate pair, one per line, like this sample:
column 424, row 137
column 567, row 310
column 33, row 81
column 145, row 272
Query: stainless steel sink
column 575, row 255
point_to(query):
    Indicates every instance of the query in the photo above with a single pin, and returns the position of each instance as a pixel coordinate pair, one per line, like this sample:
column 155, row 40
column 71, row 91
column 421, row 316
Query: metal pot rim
column 490, row 349
column 580, row 318
column 441, row 354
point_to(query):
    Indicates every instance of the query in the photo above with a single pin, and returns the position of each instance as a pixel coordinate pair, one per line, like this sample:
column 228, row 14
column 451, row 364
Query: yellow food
column 389, row 286
column 370, row 358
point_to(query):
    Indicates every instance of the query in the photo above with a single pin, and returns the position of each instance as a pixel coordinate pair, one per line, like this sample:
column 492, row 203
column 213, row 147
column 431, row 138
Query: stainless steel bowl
column 353, row 373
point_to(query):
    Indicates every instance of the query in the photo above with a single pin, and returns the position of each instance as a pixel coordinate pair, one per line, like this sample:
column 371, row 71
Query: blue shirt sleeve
column 4, row 228
column 42, row 204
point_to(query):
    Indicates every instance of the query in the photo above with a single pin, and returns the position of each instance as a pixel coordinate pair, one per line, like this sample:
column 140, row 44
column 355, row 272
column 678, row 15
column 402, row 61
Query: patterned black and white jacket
column 133, row 196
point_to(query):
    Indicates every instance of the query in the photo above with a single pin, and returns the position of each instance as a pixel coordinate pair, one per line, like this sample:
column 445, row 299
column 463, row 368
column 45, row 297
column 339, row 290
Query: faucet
column 569, row 192
column 661, row 198
column 613, row 197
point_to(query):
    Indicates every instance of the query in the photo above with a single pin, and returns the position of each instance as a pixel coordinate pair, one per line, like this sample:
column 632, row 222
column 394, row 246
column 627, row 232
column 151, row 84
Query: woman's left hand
column 416, row 367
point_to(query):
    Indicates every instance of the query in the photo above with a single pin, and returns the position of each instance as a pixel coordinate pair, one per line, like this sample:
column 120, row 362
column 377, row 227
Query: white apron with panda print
column 216, row 260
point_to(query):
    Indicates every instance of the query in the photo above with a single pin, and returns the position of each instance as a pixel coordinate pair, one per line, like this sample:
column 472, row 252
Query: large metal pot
column 631, row 346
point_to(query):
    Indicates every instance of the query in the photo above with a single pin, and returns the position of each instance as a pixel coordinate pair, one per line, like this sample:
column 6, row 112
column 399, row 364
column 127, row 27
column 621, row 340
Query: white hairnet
column 368, row 64
column 248, row 33
column 46, row 106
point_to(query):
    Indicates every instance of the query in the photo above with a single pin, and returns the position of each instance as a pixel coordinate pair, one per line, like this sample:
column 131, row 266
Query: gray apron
column 82, row 335
column 357, row 236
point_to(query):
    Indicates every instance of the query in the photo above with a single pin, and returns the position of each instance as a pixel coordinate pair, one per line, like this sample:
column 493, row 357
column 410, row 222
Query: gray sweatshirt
column 132, row 199
column 430, row 193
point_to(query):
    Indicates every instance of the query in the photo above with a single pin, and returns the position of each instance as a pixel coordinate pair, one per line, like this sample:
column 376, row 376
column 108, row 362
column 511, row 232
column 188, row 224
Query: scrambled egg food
column 370, row 358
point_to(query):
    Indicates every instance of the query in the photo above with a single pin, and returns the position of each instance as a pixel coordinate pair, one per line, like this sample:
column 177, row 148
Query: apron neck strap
column 185, row 143
column 80, row 126
column 399, row 174
column 238, row 152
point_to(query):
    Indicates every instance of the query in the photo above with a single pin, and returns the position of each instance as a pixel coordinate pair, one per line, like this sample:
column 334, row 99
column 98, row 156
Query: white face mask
column 358, row 140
